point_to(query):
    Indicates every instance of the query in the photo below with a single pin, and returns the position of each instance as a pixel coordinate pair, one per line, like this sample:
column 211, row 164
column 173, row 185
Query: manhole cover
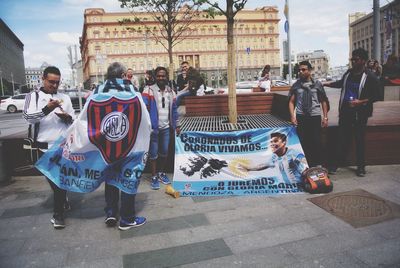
column 358, row 208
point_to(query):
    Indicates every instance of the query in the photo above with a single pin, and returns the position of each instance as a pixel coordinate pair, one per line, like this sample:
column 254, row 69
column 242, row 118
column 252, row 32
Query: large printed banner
column 107, row 142
column 251, row 162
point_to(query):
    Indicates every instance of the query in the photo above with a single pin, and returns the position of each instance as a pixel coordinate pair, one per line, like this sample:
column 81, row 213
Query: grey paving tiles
column 174, row 256
column 167, row 225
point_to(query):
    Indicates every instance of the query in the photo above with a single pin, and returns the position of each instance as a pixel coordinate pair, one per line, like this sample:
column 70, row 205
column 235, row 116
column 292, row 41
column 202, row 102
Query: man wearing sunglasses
column 51, row 113
column 160, row 100
column 359, row 91
column 308, row 107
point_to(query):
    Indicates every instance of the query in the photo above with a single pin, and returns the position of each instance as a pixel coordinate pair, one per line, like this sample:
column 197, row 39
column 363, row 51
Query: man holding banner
column 108, row 142
column 51, row 113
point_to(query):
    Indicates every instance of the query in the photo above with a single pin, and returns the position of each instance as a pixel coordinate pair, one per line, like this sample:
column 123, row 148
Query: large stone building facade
column 33, row 76
column 12, row 66
column 105, row 40
column 361, row 31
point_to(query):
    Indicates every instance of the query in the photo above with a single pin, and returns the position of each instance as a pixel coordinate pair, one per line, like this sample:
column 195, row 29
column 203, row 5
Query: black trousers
column 352, row 125
column 309, row 131
column 111, row 195
column 59, row 195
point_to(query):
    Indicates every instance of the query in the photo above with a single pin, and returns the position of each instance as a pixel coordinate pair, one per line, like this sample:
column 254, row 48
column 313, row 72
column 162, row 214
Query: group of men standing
column 51, row 113
column 309, row 106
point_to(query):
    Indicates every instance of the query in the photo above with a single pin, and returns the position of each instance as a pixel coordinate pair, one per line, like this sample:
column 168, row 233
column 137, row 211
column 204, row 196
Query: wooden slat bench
column 214, row 105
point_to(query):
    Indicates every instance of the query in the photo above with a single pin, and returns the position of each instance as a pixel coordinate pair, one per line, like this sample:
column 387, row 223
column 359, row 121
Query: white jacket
column 51, row 126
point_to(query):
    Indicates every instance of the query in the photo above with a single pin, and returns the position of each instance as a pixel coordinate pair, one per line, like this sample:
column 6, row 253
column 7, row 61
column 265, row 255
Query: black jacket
column 369, row 87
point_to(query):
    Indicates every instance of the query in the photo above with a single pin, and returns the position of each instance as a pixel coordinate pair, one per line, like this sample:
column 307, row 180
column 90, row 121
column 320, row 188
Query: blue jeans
column 180, row 97
column 111, row 194
column 159, row 143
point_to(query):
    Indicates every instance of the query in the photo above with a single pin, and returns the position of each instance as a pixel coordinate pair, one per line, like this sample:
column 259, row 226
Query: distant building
column 12, row 66
column 33, row 76
column 105, row 40
column 285, row 52
column 77, row 74
column 361, row 31
column 336, row 73
column 318, row 59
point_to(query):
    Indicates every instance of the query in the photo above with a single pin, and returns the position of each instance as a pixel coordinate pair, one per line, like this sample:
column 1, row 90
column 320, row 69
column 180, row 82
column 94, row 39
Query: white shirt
column 51, row 126
column 163, row 113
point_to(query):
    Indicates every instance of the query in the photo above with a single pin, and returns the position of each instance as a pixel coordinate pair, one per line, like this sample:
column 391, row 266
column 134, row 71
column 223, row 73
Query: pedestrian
column 308, row 108
column 127, row 213
column 133, row 79
column 181, row 80
column 184, row 88
column 148, row 80
column 359, row 92
column 51, row 113
column 160, row 101
column 264, row 81
column 195, row 85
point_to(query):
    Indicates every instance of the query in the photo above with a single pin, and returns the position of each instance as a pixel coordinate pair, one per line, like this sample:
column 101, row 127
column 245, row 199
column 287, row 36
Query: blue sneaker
column 126, row 225
column 162, row 177
column 111, row 219
column 154, row 183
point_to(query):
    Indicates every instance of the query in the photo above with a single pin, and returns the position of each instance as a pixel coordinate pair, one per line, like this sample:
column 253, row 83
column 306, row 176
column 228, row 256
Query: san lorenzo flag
column 107, row 142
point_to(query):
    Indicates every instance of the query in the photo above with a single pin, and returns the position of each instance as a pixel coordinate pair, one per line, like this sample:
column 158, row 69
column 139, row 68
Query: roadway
column 12, row 125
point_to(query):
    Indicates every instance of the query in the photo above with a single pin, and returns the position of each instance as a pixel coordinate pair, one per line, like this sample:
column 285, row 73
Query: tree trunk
column 171, row 62
column 231, row 68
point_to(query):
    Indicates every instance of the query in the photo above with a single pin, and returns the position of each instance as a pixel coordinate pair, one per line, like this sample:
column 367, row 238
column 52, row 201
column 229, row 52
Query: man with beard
column 51, row 113
column 160, row 100
column 308, row 107
column 359, row 92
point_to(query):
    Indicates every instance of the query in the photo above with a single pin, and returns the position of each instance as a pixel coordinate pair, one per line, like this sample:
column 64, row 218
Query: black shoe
column 111, row 219
column 58, row 221
column 360, row 172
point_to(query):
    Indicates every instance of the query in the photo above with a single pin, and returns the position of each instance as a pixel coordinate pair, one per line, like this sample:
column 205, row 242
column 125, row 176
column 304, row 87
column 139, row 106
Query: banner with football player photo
column 107, row 142
column 250, row 162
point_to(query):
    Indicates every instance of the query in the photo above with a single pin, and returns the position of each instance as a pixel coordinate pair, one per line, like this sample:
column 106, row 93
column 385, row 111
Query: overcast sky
column 47, row 27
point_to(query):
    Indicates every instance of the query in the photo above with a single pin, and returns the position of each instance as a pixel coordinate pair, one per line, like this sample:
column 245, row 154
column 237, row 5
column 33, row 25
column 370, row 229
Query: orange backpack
column 316, row 180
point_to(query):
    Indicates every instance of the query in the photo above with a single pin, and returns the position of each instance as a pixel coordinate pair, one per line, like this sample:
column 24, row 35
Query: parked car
column 246, row 84
column 13, row 104
column 74, row 95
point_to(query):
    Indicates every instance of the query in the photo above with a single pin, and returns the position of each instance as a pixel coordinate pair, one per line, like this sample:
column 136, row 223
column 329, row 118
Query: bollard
column 5, row 172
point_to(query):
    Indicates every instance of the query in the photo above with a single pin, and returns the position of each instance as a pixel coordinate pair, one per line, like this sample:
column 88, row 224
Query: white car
column 13, row 104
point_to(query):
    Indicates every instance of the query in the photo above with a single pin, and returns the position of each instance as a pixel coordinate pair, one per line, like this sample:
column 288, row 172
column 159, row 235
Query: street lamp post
column 237, row 49
column 2, row 88
column 12, row 80
column 145, row 47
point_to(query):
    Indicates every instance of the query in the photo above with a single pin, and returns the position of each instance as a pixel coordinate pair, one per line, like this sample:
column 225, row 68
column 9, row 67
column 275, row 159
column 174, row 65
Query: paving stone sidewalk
column 240, row 231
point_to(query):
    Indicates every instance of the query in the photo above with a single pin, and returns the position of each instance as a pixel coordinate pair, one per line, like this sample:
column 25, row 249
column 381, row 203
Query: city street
column 237, row 231
column 12, row 125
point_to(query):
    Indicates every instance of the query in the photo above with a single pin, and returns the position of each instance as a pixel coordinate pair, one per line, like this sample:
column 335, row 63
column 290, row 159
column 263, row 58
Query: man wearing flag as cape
column 108, row 142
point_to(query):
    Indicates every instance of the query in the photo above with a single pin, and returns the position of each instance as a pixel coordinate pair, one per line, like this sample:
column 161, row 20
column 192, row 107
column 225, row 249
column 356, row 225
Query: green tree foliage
column 173, row 18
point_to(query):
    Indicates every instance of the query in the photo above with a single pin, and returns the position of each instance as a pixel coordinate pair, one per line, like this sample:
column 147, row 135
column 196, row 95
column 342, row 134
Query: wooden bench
column 214, row 105
column 273, row 89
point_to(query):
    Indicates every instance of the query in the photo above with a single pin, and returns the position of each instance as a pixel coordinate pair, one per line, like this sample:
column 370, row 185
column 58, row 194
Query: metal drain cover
column 358, row 208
